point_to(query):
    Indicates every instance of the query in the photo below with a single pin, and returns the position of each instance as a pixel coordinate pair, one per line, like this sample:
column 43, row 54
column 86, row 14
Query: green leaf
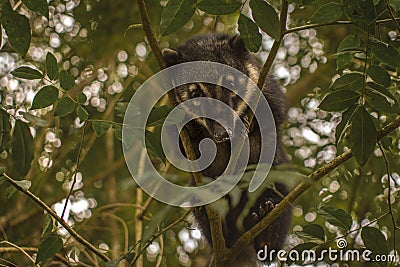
column 158, row 115
column 351, row 41
column 3, row 180
column 375, row 241
column 17, row 28
column 51, row 66
column 302, row 3
column 395, row 4
column 219, row 7
column 49, row 247
column 349, row 7
column 120, row 109
column 81, row 98
column 67, row 81
column 382, row 90
column 24, row 184
column 336, row 217
column 22, row 148
column 249, row 33
column 343, row 59
column 10, row 191
column 101, row 127
column 346, row 117
column 381, row 103
column 117, row 131
column 45, row 97
column 153, row 145
column 352, row 81
column 312, row 232
column 48, row 225
column 82, row 114
column 363, row 135
column 339, row 100
column 327, row 13
column 266, row 18
column 2, row 170
column 35, row 120
column 39, row 6
column 387, row 54
column 379, row 75
column 64, row 107
column 5, row 129
column 363, row 24
column 367, row 9
column 398, row 220
column 27, row 73
column 175, row 15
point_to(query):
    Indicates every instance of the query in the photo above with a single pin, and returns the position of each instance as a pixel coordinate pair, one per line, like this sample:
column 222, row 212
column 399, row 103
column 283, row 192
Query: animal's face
column 222, row 49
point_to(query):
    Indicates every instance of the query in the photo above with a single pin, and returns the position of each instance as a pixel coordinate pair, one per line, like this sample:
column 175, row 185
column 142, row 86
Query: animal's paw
column 262, row 210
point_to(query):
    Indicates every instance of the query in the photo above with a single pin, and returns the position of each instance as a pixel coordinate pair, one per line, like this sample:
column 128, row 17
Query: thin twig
column 124, row 230
column 75, row 172
column 20, row 249
column 389, row 178
column 390, row 11
column 15, row 248
column 69, row 229
column 154, row 236
column 275, row 46
column 161, row 252
column 138, row 212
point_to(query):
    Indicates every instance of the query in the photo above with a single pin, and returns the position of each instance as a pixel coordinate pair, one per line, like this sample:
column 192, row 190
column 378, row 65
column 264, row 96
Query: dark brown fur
column 231, row 51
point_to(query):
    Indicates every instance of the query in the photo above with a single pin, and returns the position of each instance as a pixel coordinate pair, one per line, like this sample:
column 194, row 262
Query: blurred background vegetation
column 102, row 46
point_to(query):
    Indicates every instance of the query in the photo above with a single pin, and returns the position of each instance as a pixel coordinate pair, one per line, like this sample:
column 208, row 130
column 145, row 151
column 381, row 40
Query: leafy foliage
column 327, row 13
column 176, row 14
column 86, row 62
column 249, row 33
column 219, row 7
column 45, row 97
column 27, row 73
column 17, row 28
column 266, row 18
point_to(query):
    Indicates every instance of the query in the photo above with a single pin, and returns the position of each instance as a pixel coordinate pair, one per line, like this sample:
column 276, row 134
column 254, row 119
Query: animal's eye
column 229, row 81
column 196, row 91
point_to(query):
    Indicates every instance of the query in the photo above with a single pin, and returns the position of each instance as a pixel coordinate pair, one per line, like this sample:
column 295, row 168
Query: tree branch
column 70, row 230
column 248, row 236
column 344, row 22
column 218, row 240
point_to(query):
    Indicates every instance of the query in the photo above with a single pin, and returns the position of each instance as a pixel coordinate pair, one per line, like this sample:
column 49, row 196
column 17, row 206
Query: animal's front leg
column 273, row 237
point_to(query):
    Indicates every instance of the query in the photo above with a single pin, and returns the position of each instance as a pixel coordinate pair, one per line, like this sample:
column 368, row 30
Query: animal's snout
column 220, row 133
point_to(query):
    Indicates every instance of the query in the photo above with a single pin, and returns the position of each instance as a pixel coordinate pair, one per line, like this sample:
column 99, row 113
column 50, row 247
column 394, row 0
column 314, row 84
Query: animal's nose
column 220, row 133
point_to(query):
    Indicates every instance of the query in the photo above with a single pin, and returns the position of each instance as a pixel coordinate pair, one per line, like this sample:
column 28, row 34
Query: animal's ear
column 237, row 44
column 170, row 55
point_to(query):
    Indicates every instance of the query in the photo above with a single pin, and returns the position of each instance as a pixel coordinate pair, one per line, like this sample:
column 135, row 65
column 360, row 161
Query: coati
column 230, row 50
